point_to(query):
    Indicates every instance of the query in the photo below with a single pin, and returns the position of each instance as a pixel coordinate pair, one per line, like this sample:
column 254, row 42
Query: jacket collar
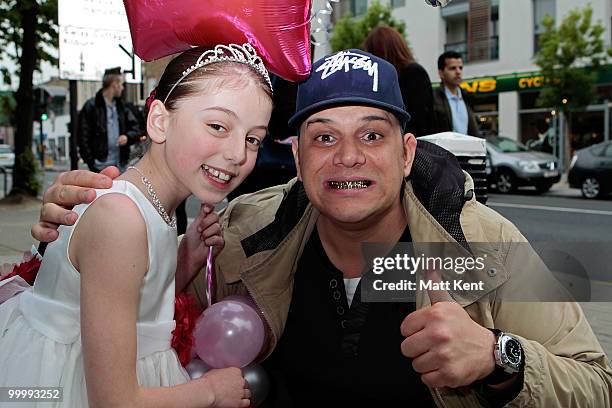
column 101, row 102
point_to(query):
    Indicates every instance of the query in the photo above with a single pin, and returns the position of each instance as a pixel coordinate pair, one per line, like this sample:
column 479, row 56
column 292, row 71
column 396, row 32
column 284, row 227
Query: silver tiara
column 242, row 54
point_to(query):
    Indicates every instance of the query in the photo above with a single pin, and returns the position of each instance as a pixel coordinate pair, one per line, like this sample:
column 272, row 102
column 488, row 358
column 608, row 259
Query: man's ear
column 157, row 122
column 295, row 148
column 410, row 144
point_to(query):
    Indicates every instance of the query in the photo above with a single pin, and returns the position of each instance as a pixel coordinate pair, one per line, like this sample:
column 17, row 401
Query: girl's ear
column 157, row 122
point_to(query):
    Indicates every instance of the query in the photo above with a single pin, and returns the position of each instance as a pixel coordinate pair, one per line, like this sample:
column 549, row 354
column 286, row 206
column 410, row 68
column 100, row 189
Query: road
column 564, row 220
column 557, row 217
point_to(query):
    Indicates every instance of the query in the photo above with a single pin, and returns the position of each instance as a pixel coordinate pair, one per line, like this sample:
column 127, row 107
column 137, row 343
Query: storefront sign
column 480, row 85
column 531, row 82
column 526, row 81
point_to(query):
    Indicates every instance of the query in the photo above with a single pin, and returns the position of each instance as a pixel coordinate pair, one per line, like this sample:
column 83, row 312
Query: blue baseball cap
column 350, row 77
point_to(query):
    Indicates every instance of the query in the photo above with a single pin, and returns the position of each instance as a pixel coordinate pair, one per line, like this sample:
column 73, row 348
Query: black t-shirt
column 331, row 354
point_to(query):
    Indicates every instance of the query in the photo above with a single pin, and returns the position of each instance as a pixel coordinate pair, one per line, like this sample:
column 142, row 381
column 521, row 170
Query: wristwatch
column 509, row 358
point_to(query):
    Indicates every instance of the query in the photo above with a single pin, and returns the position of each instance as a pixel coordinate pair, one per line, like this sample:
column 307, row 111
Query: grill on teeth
column 348, row 185
column 216, row 173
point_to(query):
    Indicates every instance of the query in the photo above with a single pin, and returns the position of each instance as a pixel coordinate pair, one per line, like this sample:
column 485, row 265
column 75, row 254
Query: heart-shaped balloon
column 278, row 29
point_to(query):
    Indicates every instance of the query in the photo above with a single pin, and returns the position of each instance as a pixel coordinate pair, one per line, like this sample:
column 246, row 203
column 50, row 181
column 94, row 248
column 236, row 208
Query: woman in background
column 387, row 43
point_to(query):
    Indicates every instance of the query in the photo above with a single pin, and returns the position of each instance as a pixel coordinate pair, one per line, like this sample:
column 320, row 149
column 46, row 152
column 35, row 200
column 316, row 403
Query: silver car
column 7, row 157
column 514, row 165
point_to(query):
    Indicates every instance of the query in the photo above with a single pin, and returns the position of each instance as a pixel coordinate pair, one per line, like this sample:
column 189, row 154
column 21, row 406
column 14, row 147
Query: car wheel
column 505, row 182
column 591, row 188
column 543, row 187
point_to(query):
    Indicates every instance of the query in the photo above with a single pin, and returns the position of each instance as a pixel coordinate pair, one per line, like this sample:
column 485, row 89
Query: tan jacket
column 564, row 364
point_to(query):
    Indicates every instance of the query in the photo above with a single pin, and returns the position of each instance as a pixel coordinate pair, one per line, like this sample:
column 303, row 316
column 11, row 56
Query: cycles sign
column 504, row 84
column 527, row 81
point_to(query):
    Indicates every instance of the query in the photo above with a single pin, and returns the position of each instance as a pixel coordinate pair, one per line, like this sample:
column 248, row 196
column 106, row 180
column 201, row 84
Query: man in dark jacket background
column 106, row 128
column 452, row 109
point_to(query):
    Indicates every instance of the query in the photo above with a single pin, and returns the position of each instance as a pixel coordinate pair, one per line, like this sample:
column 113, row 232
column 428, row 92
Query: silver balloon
column 197, row 368
column 320, row 23
column 259, row 383
column 438, row 3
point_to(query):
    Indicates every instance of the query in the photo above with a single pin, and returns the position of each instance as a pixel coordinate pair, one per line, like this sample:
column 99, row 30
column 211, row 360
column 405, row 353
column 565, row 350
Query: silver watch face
column 511, row 352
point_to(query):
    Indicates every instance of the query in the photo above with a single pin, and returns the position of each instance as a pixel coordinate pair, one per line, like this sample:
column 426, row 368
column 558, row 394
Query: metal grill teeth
column 348, row 185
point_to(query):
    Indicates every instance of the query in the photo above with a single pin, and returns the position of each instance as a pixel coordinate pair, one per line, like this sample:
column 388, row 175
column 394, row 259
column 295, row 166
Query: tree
column 7, row 108
column 350, row 32
column 569, row 58
column 28, row 28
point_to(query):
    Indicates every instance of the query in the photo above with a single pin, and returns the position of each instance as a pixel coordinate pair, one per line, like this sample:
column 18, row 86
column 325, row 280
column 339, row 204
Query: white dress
column 40, row 336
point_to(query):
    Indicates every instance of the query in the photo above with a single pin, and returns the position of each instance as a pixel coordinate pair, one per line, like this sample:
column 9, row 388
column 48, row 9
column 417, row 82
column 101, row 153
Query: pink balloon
column 229, row 334
column 278, row 29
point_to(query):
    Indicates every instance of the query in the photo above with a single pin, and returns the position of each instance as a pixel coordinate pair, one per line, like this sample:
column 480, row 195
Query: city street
column 560, row 215
column 513, row 98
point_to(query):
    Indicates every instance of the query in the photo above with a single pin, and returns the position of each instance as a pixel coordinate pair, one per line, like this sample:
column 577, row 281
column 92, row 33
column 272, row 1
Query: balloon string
column 209, row 275
column 318, row 25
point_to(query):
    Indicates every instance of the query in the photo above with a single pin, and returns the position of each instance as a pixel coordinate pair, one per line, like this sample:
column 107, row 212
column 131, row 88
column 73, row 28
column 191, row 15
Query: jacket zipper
column 437, row 397
column 268, row 327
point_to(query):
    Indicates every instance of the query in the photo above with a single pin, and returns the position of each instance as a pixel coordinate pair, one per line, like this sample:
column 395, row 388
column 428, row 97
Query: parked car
column 471, row 153
column 591, row 170
column 7, row 157
column 514, row 165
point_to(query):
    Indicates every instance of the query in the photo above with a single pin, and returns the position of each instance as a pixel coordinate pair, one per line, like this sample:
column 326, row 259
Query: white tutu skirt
column 28, row 358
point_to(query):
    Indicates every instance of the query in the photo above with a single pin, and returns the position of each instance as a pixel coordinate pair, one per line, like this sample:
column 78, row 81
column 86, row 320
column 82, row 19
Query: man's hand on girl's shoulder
column 69, row 189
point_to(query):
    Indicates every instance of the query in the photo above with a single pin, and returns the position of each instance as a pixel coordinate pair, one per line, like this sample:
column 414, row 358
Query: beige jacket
column 564, row 364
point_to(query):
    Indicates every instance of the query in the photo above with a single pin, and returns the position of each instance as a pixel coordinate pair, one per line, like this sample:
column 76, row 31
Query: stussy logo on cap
column 346, row 60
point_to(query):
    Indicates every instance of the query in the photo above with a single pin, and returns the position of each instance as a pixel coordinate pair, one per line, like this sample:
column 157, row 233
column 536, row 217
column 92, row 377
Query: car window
column 4, row 149
column 597, row 150
column 505, row 145
column 608, row 152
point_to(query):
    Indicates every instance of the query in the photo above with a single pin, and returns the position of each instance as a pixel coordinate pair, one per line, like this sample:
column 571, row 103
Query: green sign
column 526, row 81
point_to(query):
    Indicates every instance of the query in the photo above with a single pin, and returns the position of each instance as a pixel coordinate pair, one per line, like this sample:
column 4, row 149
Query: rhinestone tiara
column 242, row 54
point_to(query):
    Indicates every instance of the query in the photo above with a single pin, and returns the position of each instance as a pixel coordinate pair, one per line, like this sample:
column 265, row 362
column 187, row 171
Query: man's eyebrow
column 318, row 120
column 372, row 118
column 368, row 118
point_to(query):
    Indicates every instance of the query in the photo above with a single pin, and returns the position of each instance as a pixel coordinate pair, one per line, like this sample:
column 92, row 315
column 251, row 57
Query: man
column 451, row 107
column 296, row 249
column 106, row 127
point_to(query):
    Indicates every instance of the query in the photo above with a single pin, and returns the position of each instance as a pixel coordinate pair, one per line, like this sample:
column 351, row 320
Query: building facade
column 498, row 39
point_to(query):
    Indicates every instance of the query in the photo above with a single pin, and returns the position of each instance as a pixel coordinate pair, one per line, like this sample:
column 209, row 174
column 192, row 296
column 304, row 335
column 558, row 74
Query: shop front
column 538, row 126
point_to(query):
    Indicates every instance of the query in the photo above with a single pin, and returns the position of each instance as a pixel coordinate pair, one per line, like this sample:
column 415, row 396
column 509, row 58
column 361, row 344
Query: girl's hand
column 201, row 234
column 228, row 388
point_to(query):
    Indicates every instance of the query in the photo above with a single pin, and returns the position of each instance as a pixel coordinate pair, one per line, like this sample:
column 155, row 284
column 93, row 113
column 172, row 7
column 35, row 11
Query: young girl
column 98, row 321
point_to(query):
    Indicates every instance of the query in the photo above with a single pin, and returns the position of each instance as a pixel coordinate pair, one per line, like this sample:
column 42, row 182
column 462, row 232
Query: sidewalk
column 15, row 238
column 562, row 189
column 15, row 224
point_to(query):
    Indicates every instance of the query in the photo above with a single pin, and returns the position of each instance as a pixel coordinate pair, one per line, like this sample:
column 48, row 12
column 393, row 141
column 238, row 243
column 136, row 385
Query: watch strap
column 499, row 374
